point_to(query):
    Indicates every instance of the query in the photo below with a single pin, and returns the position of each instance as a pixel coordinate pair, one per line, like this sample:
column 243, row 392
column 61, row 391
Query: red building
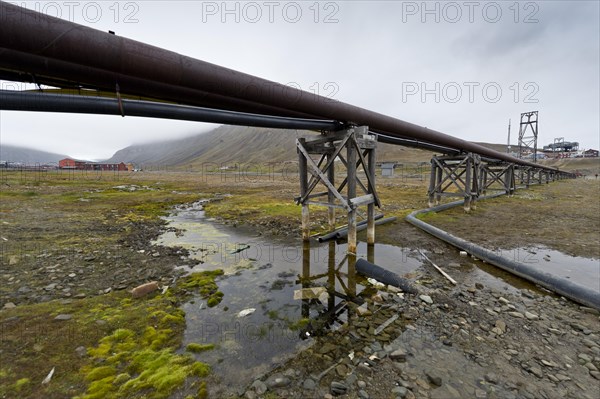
column 69, row 163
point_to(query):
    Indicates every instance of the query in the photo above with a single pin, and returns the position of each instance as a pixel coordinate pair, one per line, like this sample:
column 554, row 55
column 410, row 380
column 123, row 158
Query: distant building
column 75, row 164
column 387, row 168
column 591, row 153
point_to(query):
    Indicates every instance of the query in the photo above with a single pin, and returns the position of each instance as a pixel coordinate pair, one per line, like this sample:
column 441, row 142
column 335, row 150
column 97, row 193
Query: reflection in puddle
column 266, row 275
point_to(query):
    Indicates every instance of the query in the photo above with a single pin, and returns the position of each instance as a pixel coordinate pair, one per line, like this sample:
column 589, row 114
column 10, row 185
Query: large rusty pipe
column 55, row 39
column 42, row 70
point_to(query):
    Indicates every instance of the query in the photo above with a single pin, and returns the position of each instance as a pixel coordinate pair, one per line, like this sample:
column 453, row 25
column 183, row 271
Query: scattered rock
column 577, row 326
column 400, row 392
column 435, row 380
column 501, row 325
column 50, row 287
column 492, row 378
column 590, row 366
column 537, row 372
column 81, row 351
column 426, row 299
column 309, row 384
column 9, row 305
column 278, row 381
column 517, row 315
column 342, row 370
column 259, row 387
column 326, row 348
column 144, row 289
column 338, row 388
column 585, row 358
column 548, row 363
column 363, row 310
column 399, row 355
column 63, row 317
column 531, row 316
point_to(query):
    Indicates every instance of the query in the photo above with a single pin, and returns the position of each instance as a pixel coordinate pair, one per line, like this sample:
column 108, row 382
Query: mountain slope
column 11, row 153
column 239, row 144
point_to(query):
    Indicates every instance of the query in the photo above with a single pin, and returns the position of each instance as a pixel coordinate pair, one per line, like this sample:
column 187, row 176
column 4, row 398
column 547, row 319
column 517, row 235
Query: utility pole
column 508, row 141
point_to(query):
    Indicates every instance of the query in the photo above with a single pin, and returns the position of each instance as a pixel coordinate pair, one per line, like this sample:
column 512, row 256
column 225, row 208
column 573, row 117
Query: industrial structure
column 75, row 164
column 80, row 60
column 560, row 145
column 528, row 134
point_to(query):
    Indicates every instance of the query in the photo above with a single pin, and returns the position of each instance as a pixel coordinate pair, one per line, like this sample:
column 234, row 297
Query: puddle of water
column 264, row 274
column 581, row 271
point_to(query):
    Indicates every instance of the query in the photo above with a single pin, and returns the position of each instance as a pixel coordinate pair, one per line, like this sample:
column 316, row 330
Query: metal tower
column 528, row 134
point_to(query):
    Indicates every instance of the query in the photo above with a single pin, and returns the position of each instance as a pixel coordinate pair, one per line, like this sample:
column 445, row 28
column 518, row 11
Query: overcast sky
column 463, row 68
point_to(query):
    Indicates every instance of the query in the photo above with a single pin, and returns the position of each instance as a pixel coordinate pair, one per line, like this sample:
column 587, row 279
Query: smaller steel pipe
column 41, row 102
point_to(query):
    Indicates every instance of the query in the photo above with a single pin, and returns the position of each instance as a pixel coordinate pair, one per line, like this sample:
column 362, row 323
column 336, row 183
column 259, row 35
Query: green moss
column 162, row 371
column 20, row 384
column 202, row 391
column 212, row 302
column 204, row 283
column 200, row 369
column 141, row 360
column 100, row 389
column 196, row 348
column 100, row 373
column 121, row 379
column 170, row 319
column 300, row 324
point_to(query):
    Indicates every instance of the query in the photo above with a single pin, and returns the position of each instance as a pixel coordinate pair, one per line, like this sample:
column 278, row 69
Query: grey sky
column 465, row 74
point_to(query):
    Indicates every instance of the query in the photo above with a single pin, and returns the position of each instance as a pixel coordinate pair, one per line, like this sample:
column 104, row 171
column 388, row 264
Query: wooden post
column 331, row 275
column 438, row 183
column 303, row 169
column 468, row 183
column 351, row 159
column 371, row 253
column 371, row 206
column 475, row 188
column 306, row 277
column 432, row 182
column 484, row 180
column 330, row 196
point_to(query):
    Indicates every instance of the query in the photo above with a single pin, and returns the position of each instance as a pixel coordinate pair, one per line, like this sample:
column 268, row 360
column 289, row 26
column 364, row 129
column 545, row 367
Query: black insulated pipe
column 41, row 102
column 564, row 287
column 384, row 276
column 343, row 232
column 333, row 234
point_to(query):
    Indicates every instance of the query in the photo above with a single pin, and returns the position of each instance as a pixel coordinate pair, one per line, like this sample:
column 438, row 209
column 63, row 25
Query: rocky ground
column 483, row 338
column 498, row 338
column 470, row 341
